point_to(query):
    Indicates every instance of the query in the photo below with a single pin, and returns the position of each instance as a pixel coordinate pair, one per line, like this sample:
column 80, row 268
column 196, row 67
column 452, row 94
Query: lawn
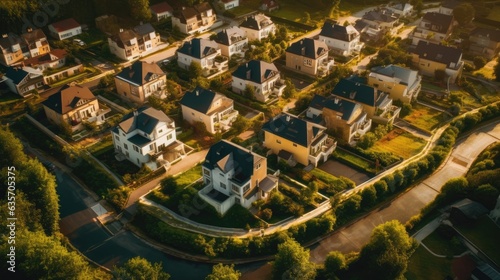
column 426, row 118
column 188, row 177
column 441, row 245
column 399, row 143
column 487, row 70
column 484, row 234
column 423, row 265
column 354, row 160
column 294, row 11
column 107, row 156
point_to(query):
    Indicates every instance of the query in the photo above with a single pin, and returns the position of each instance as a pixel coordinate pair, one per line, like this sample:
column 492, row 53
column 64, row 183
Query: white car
column 79, row 42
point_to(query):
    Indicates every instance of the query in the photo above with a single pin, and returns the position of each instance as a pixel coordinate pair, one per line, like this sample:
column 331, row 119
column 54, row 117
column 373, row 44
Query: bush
column 368, row 197
column 479, row 62
column 266, row 214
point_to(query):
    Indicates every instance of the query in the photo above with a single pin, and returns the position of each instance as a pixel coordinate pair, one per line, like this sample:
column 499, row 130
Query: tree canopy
column 223, row 272
column 292, row 262
column 464, row 13
column 139, row 9
column 140, row 269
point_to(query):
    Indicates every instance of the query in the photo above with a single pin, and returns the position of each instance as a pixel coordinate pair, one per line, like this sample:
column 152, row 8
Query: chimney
column 336, row 100
column 303, row 50
column 197, row 93
column 140, row 22
column 287, row 118
column 136, row 113
column 29, row 29
column 183, row 8
column 121, row 30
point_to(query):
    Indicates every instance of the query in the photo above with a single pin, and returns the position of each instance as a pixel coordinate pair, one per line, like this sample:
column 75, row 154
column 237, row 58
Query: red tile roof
column 161, row 8
column 66, row 24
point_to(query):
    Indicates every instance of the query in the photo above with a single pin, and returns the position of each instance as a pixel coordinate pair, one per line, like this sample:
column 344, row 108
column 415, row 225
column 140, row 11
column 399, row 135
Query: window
column 246, row 188
column 136, row 148
column 160, row 131
column 125, row 146
column 307, row 62
column 117, row 138
column 278, row 141
column 222, row 185
column 169, row 136
column 222, row 175
column 206, row 172
column 151, row 147
column 235, row 188
column 258, row 166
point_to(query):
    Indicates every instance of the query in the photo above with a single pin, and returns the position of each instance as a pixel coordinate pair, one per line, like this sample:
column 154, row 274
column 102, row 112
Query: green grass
column 494, row 13
column 236, row 217
column 423, row 265
column 295, row 11
column 188, row 177
column 486, row 71
column 400, row 143
column 354, row 160
column 107, row 156
column 443, row 246
column 426, row 118
column 71, row 79
column 484, row 234
column 101, row 146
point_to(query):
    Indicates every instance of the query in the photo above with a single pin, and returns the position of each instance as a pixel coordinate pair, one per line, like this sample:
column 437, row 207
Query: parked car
column 50, row 166
column 79, row 42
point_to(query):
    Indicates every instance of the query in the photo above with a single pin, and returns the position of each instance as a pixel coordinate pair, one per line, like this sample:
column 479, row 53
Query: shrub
column 368, row 197
column 266, row 214
column 479, row 62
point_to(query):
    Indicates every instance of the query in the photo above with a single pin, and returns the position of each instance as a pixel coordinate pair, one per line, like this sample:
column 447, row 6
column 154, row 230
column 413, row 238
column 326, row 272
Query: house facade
column 54, row 59
column 161, row 11
column 132, row 44
column 229, row 4
column 484, row 42
column 310, row 57
column 23, row 80
column 342, row 40
column 348, row 119
column 190, row 20
column 34, row 43
column 262, row 76
column 234, row 175
column 429, row 57
column 140, row 81
column 145, row 136
column 382, row 20
column 204, row 52
column 65, row 29
column 401, row 9
column 434, row 27
column 74, row 105
column 232, row 41
column 297, row 141
column 401, row 83
column 258, row 27
column 215, row 110
column 269, row 5
column 11, row 51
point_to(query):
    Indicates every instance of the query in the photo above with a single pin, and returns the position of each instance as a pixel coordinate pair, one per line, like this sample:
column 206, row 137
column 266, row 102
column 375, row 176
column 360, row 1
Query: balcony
column 322, row 152
column 278, row 87
column 221, row 202
column 227, row 119
column 387, row 116
column 364, row 127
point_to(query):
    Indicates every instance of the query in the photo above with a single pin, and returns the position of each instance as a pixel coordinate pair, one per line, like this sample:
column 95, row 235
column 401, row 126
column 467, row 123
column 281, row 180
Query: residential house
column 269, row 5
column 342, row 40
column 348, row 119
column 399, row 82
column 132, row 44
column 258, row 27
column 229, row 4
column 147, row 136
column 434, row 27
column 23, row 80
column 231, row 41
column 74, row 105
column 234, row 175
column 65, row 29
column 34, row 43
column 190, row 20
column 401, row 9
column 140, row 81
column 11, row 51
column 429, row 57
column 204, row 52
column 377, row 104
column 310, row 57
column 448, row 6
column 484, row 42
column 161, row 11
column 382, row 20
column 214, row 110
column 262, row 76
column 297, row 141
column 54, row 59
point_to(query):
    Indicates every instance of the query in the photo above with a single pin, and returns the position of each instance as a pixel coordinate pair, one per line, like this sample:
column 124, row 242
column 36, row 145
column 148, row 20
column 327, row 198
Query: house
column 399, row 82
column 297, row 140
column 466, row 212
column 234, row 175
column 147, row 136
column 401, row 9
column 65, row 29
column 429, row 57
column 54, row 59
column 310, row 57
column 258, row 27
column 382, row 20
column 434, row 27
column 131, row 44
column 262, row 76
column 484, row 42
column 204, row 52
column 348, row 119
column 377, row 104
column 342, row 40
column 11, row 52
column 231, row 41
column 23, row 80
column 140, row 81
column 215, row 110
column 74, row 105
column 161, row 11
column 190, row 20
column 229, row 4
column 34, row 43
column 269, row 5
column 448, row 6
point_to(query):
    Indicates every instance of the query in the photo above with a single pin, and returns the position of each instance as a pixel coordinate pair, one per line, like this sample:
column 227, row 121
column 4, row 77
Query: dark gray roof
column 144, row 29
column 257, row 71
column 284, row 154
column 7, row 42
column 470, row 208
column 144, row 119
column 16, row 74
column 439, row 22
column 256, row 22
column 339, row 32
column 493, row 34
column 379, row 15
column 140, row 72
column 199, row 99
column 309, row 48
column 66, row 99
column 450, row 4
column 405, row 75
column 353, row 90
column 345, row 107
column 230, row 36
column 198, row 48
column 438, row 53
column 294, row 129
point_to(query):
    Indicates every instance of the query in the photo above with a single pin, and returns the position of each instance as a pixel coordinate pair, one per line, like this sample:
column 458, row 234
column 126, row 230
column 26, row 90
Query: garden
column 426, row 118
column 399, row 143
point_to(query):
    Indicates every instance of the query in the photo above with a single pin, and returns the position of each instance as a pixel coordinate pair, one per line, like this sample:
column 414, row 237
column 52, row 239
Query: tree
column 367, row 140
column 368, row 197
column 195, row 70
column 249, row 92
column 464, row 13
column 223, row 272
column 439, row 75
column 139, row 9
column 292, row 262
column 139, row 268
column 387, row 253
column 479, row 62
column 334, row 262
column 497, row 70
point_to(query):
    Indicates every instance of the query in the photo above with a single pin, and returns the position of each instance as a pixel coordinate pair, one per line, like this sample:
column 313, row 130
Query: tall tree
column 140, row 269
column 335, row 261
column 139, row 9
column 292, row 262
column 464, row 13
column 223, row 272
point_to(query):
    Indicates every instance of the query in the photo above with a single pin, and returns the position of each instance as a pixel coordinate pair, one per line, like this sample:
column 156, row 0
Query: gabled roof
column 293, row 129
column 186, row 13
column 345, row 107
column 438, row 53
column 144, row 119
column 356, row 91
column 144, row 29
column 33, row 36
column 339, row 32
column 199, row 99
column 161, row 7
column 53, row 55
column 256, row 22
column 67, row 98
column 7, row 41
column 140, row 73
column 309, row 48
column 16, row 74
column 124, row 37
column 257, row 71
column 199, row 48
column 405, row 75
column 493, row 34
column 380, row 16
column 439, row 22
column 230, row 36
column 65, row 24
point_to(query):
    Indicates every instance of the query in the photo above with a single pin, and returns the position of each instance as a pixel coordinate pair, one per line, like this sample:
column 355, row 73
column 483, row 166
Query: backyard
column 426, row 118
column 400, row 143
column 484, row 234
column 424, row 265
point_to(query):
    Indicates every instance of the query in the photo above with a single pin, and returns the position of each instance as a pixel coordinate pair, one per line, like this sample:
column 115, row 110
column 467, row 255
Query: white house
column 258, row 27
column 232, row 41
column 23, row 81
column 401, row 9
column 343, row 40
column 190, row 20
column 131, row 44
column 65, row 29
column 229, row 4
column 204, row 52
column 161, row 11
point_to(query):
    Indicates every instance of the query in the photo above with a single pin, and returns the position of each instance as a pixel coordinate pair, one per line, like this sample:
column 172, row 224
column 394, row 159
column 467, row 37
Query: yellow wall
column 124, row 90
column 300, row 153
column 395, row 91
column 427, row 67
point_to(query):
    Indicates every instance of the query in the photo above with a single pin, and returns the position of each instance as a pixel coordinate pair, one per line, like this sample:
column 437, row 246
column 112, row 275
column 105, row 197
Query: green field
column 399, row 143
column 423, row 265
column 426, row 118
